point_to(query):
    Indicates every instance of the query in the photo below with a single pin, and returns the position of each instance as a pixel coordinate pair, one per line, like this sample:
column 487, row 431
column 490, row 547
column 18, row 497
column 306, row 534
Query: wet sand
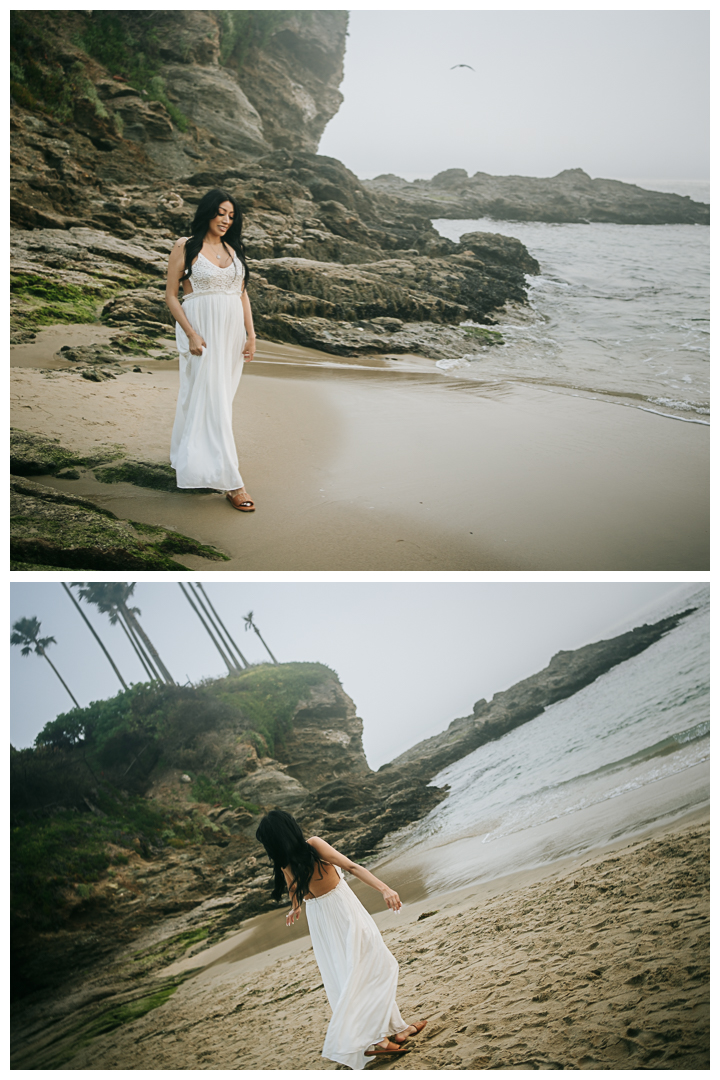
column 386, row 465
column 600, row 962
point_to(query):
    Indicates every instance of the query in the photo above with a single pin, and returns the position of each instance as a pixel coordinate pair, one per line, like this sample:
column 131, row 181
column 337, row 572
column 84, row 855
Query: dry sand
column 380, row 465
column 602, row 964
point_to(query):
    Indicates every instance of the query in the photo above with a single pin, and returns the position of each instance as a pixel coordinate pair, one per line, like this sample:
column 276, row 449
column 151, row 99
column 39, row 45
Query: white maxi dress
column 202, row 449
column 359, row 973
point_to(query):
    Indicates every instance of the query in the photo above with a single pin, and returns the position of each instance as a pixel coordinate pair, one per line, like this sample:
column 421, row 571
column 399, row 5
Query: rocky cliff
column 571, row 196
column 120, row 122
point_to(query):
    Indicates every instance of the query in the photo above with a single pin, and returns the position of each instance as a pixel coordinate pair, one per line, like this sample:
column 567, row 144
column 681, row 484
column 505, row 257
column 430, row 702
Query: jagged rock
column 273, row 788
column 325, row 738
column 342, row 338
column 90, row 354
column 212, row 97
column 144, row 307
column 499, row 250
column 143, row 121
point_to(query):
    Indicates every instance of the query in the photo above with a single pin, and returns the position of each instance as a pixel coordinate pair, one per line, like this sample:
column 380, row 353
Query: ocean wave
column 619, row 311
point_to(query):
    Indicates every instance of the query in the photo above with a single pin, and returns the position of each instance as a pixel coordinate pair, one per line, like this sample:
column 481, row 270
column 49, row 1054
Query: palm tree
column 95, row 634
column 26, row 632
column 188, row 594
column 231, row 640
column 250, row 625
column 111, row 598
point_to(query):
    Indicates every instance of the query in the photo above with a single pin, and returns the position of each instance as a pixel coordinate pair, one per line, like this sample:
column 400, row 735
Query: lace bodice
column 207, row 277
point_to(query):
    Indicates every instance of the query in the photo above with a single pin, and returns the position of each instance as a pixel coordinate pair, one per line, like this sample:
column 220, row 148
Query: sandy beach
column 386, row 464
column 600, row 962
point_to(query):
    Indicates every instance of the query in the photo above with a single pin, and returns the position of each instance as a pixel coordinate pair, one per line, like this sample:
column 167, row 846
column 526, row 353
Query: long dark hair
column 208, row 208
column 283, row 840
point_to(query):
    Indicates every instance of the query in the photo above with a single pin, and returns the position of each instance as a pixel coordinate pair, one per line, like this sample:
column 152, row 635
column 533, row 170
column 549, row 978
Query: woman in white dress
column 358, row 970
column 215, row 336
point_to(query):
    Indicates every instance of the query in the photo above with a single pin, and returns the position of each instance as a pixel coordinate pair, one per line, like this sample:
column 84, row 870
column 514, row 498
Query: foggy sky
column 621, row 94
column 413, row 657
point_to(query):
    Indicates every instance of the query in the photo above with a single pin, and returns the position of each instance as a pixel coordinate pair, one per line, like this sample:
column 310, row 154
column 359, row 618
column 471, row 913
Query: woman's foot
column 410, row 1030
column 240, row 499
column 385, row 1046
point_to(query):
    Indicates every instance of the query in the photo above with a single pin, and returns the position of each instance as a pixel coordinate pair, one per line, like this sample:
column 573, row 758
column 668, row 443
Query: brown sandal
column 246, row 504
column 418, row 1028
column 391, row 1048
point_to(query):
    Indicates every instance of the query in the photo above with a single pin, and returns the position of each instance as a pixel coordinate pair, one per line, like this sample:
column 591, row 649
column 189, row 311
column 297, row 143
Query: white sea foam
column 618, row 312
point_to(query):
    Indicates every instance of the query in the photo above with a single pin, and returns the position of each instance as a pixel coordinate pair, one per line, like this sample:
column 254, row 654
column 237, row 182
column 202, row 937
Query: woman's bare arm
column 249, row 347
column 295, row 911
column 176, row 266
column 331, row 855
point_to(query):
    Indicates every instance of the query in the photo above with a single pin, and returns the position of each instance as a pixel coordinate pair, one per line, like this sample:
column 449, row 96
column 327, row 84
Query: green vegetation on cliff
column 242, row 32
column 39, row 79
column 79, row 798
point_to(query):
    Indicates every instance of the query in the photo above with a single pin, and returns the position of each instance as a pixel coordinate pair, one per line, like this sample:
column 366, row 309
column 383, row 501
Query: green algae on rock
column 37, row 455
column 142, row 473
column 52, row 528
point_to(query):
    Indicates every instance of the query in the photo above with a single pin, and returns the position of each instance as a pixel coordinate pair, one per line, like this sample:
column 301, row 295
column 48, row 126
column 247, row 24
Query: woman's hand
column 197, row 343
column 292, row 916
column 249, row 348
column 392, row 899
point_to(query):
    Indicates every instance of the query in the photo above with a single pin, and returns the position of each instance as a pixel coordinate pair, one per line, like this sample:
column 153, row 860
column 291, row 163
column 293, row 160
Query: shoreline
column 601, row 962
column 259, row 943
column 354, row 468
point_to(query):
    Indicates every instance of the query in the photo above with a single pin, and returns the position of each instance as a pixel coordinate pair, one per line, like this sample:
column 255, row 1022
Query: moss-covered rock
column 36, row 455
column 53, row 529
column 145, row 474
column 483, row 336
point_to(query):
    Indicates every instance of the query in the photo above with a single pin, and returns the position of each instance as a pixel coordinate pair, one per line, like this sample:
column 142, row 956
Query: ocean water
column 625, row 753
column 618, row 313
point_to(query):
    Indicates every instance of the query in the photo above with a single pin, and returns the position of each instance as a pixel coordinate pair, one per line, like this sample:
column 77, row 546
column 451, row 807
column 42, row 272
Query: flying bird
column 462, row 65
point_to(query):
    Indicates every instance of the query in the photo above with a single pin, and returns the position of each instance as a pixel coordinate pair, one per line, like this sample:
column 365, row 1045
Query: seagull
column 462, row 65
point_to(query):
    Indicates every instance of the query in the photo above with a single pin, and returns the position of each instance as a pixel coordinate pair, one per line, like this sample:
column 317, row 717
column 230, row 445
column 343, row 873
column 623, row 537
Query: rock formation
column 571, row 196
column 103, row 185
column 567, row 672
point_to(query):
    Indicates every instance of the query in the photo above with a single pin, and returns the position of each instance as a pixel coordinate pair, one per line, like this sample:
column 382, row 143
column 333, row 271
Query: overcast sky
column 413, row 657
column 621, row 94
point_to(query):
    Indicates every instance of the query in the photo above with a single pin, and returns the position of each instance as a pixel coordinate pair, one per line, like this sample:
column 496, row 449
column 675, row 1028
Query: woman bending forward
column 359, row 972
column 214, row 332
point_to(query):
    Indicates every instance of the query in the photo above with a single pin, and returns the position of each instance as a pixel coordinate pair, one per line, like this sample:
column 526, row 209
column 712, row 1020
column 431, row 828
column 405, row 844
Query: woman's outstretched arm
column 331, row 855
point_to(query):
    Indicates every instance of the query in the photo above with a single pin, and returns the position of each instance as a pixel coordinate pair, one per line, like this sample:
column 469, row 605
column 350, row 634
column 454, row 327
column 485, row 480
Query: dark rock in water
column 500, row 250
column 571, row 196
